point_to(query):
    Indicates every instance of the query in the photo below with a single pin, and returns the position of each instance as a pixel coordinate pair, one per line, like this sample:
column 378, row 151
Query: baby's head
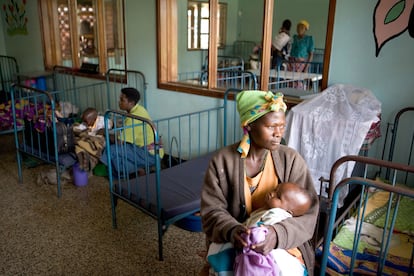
column 89, row 116
column 289, row 197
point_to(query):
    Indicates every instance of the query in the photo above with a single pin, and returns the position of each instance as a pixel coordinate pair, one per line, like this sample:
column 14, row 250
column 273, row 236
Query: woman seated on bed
column 240, row 175
column 132, row 155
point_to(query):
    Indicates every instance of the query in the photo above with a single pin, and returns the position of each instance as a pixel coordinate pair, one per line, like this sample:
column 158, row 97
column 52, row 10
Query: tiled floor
column 41, row 234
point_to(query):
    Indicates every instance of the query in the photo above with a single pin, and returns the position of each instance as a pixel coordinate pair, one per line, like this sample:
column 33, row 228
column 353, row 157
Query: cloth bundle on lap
column 252, row 263
column 221, row 256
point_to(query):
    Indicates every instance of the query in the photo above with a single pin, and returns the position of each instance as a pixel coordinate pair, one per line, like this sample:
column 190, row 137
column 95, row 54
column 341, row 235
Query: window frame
column 50, row 35
column 196, row 28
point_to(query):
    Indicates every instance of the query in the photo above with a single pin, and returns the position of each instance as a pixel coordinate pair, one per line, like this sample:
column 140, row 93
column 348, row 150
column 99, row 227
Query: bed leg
column 411, row 270
column 19, row 165
column 160, row 235
column 114, row 202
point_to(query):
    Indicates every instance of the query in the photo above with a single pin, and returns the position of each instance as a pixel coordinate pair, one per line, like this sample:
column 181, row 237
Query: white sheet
column 331, row 125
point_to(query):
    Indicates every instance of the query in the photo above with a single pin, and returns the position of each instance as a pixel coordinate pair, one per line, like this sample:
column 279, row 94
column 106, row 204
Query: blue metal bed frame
column 395, row 166
column 9, row 74
column 198, row 134
column 359, row 206
column 82, row 92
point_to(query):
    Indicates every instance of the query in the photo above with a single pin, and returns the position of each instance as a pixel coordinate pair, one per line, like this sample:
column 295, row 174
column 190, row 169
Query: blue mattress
column 180, row 188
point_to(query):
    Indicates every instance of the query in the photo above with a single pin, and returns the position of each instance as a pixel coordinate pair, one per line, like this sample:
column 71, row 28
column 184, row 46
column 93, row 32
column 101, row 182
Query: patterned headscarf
column 253, row 104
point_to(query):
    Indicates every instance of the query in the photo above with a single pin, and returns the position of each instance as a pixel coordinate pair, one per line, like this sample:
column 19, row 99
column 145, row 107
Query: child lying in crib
column 89, row 139
column 287, row 200
column 92, row 121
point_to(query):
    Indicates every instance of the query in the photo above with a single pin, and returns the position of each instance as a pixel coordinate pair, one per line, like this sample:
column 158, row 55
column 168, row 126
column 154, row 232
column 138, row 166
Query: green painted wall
column 2, row 37
column 315, row 12
column 353, row 61
column 27, row 49
column 389, row 76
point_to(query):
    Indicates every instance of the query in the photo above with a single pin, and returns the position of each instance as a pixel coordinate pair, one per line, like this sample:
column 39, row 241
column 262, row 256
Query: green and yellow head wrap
column 253, row 104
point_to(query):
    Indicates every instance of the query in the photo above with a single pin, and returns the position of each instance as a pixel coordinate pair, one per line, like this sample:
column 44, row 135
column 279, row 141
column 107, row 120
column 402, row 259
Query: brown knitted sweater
column 223, row 202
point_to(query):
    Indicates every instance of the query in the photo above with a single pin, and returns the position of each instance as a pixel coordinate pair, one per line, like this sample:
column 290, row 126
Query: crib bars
column 9, row 71
column 170, row 193
column 71, row 95
column 397, row 192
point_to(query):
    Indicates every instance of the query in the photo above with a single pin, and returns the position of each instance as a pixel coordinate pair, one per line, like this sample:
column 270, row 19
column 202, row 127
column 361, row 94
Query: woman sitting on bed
column 132, row 155
column 240, row 175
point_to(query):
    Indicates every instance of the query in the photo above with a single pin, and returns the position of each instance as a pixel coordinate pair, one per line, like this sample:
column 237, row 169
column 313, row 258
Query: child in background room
column 286, row 201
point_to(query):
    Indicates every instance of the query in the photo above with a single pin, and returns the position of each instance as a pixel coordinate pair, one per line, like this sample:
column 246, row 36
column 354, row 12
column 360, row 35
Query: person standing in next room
column 281, row 45
column 302, row 48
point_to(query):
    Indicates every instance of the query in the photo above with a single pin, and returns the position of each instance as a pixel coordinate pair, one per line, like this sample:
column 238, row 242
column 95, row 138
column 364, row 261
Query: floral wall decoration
column 392, row 18
column 15, row 17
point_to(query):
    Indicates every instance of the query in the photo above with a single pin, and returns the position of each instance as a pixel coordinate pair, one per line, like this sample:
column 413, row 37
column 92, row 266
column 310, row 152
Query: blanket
column 369, row 244
column 39, row 113
column 6, row 114
column 366, row 263
column 88, row 148
column 377, row 207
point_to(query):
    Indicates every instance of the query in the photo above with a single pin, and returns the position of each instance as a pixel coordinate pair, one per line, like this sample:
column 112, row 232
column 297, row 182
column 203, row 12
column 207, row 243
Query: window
column 198, row 25
column 83, row 31
column 178, row 32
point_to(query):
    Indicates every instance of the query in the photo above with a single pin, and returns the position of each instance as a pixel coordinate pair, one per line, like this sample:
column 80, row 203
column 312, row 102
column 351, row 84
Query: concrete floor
column 41, row 234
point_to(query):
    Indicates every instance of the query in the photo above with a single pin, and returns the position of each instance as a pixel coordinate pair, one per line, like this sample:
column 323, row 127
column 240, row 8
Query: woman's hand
column 268, row 244
column 237, row 236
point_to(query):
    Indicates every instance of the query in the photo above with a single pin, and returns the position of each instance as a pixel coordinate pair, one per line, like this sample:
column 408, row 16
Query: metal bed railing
column 358, row 207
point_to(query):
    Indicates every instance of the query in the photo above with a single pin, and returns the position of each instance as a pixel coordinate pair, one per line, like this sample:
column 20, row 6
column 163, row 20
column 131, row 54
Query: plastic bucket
column 80, row 177
column 191, row 223
column 100, row 170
